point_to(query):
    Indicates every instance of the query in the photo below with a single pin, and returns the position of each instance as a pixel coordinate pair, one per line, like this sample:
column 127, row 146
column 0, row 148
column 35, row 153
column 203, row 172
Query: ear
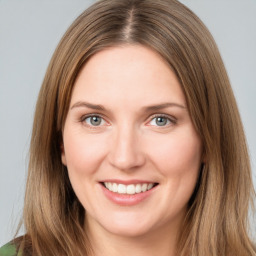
column 63, row 155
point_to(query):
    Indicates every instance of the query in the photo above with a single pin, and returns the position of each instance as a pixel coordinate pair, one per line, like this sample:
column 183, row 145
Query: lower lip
column 125, row 199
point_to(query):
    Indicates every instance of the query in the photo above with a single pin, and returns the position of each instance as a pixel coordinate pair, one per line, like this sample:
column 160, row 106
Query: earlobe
column 63, row 155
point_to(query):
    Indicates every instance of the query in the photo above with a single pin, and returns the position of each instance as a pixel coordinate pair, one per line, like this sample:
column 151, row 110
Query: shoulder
column 12, row 248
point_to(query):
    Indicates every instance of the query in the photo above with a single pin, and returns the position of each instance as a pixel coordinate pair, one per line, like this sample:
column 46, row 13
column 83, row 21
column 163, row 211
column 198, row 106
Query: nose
column 126, row 150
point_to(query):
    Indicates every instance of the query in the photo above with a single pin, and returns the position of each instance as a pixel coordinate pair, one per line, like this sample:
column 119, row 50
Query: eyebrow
column 80, row 104
column 163, row 106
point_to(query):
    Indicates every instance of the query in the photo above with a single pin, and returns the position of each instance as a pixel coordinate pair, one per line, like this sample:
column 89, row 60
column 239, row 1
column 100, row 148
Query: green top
column 9, row 250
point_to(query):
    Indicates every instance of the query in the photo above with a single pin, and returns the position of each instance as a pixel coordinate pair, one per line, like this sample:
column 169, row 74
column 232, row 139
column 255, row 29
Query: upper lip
column 127, row 182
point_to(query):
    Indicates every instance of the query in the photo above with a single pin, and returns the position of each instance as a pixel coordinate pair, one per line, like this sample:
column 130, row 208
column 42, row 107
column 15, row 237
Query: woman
column 137, row 145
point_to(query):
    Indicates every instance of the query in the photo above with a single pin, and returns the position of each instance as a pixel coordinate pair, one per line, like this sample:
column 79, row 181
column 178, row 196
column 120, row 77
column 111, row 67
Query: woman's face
column 132, row 153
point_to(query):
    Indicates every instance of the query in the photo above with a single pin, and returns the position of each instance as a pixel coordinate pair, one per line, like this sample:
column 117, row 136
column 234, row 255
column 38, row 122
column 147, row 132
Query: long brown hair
column 217, row 218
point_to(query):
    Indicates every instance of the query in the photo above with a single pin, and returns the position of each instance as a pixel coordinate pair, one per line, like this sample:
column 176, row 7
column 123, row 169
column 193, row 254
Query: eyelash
column 83, row 118
column 172, row 120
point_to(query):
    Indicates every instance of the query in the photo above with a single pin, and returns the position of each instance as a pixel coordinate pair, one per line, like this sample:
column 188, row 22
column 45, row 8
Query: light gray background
column 29, row 33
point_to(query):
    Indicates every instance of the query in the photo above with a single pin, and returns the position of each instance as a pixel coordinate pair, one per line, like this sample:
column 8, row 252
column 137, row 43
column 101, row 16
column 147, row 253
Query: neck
column 158, row 242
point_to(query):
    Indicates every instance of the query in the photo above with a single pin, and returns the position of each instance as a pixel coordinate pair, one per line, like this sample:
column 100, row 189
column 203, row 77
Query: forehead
column 127, row 74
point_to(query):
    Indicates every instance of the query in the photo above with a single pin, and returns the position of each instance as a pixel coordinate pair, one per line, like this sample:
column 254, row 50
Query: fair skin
column 128, row 125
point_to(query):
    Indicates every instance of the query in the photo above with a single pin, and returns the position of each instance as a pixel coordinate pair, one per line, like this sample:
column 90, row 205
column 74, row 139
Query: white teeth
column 121, row 189
column 114, row 187
column 150, row 185
column 130, row 189
column 138, row 188
column 144, row 187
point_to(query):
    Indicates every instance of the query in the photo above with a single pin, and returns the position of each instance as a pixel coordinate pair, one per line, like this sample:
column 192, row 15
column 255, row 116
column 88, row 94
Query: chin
column 128, row 231
column 128, row 226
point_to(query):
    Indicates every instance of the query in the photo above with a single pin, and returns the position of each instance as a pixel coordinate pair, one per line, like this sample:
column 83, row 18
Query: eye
column 161, row 121
column 94, row 120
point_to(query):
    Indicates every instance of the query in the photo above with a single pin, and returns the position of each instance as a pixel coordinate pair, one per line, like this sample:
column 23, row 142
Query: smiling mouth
column 130, row 189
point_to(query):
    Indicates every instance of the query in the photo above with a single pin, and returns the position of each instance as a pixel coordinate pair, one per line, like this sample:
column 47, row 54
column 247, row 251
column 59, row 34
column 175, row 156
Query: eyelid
column 84, row 117
column 172, row 119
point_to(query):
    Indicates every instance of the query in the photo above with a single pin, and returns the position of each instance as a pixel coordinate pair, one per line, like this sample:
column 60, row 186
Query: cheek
column 179, row 154
column 178, row 159
column 83, row 153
